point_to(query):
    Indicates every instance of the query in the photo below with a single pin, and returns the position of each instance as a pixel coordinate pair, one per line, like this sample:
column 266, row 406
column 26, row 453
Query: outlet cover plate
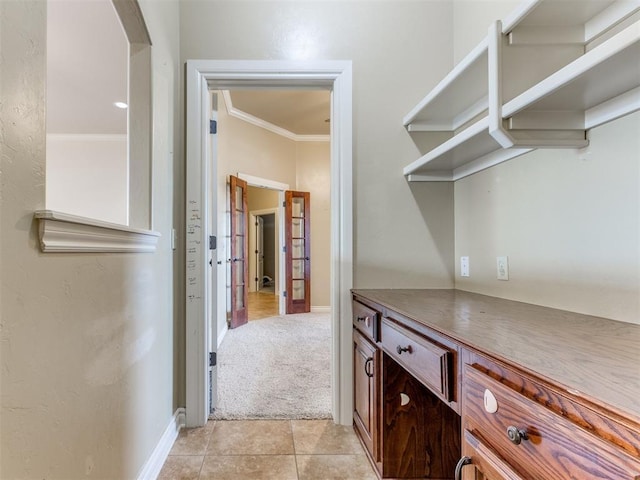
column 502, row 264
column 464, row 266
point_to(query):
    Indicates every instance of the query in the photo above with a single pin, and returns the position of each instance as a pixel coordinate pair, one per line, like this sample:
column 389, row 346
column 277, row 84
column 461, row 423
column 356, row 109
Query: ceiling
column 302, row 112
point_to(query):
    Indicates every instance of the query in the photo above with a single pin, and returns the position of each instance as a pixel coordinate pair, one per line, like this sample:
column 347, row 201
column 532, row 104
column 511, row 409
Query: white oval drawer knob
column 490, row 402
column 404, row 399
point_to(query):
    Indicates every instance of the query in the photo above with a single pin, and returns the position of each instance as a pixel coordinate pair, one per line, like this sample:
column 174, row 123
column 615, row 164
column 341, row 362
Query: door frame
column 201, row 76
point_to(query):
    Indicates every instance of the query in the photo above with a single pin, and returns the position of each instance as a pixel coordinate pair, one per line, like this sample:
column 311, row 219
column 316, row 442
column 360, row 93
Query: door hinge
column 213, row 127
column 213, row 359
column 284, row 204
column 212, row 242
column 255, row 251
column 284, row 249
column 255, row 279
column 284, row 294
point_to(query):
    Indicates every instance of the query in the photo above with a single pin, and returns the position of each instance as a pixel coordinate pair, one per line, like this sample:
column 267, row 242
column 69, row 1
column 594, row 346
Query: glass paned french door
column 298, row 252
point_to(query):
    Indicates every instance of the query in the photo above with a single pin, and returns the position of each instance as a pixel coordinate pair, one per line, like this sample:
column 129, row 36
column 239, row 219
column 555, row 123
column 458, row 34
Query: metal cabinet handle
column 407, row 349
column 461, row 463
column 516, row 435
column 366, row 367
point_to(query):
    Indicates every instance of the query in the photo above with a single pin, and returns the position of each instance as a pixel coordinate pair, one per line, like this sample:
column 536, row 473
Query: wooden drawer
column 428, row 362
column 365, row 319
column 550, row 446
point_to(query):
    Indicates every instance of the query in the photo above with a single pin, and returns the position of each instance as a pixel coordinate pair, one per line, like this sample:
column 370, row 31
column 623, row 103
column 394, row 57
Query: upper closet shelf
column 585, row 73
column 459, row 97
column 598, row 87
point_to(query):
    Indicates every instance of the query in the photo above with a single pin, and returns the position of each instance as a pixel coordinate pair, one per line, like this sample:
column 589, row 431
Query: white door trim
column 253, row 181
column 220, row 74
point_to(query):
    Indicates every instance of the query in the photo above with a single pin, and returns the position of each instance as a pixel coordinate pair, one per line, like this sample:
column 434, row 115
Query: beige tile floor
column 268, row 450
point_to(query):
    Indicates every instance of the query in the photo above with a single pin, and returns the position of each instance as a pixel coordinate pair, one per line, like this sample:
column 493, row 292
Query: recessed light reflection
column 121, row 105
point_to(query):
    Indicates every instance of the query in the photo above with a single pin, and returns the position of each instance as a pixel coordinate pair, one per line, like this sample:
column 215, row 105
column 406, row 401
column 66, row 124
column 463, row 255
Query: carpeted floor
column 277, row 368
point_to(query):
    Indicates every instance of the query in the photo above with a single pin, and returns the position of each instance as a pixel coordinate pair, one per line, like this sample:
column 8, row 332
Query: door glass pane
column 297, row 248
column 298, row 269
column 298, row 290
column 239, row 250
column 297, row 228
column 240, row 296
column 239, row 220
column 238, row 270
column 297, row 205
column 239, row 205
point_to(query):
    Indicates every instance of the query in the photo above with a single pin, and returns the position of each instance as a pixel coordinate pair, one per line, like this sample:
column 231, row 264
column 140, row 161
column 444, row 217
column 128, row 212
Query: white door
column 213, row 264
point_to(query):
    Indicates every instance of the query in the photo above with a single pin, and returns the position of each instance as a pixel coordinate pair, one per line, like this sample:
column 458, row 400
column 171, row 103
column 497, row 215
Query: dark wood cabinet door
column 365, row 364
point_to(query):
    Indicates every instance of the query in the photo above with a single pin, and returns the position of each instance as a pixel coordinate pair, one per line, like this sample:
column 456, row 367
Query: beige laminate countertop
column 592, row 357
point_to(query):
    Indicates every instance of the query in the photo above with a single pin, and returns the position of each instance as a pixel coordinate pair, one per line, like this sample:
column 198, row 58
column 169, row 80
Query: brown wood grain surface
column 421, row 439
column 553, row 446
column 585, row 357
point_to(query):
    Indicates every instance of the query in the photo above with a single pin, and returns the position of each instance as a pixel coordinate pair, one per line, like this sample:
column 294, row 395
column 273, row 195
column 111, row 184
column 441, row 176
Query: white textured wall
column 403, row 233
column 88, row 175
column 87, row 340
column 569, row 220
column 314, row 176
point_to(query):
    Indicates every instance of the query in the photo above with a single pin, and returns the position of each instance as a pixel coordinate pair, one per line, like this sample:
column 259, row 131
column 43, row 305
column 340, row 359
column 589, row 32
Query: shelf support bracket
column 496, row 129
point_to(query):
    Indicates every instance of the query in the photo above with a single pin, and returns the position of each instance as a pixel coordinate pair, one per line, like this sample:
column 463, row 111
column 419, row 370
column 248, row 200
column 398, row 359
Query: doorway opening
column 264, row 258
column 203, row 75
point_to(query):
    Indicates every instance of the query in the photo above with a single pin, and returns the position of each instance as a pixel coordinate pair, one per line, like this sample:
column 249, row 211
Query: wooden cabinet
column 516, row 427
column 401, row 378
column 450, row 384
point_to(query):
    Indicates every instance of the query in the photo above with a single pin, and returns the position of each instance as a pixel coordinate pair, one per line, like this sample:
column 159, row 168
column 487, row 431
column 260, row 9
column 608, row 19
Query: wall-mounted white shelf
column 459, row 97
column 607, row 71
column 65, row 233
column 589, row 75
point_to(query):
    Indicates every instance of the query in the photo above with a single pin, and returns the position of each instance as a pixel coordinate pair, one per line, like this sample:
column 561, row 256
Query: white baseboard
column 154, row 464
column 318, row 309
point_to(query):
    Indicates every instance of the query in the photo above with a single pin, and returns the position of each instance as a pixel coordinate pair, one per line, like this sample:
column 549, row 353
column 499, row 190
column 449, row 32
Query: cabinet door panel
column 365, row 365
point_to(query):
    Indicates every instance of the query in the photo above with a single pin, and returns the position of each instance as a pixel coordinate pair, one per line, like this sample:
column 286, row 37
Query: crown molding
column 63, row 232
column 258, row 122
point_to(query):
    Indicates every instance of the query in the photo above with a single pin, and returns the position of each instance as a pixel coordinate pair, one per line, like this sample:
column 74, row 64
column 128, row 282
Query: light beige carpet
column 278, row 367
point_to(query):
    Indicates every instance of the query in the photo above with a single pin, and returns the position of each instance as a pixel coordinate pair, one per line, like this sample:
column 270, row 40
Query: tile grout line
column 206, row 448
column 295, row 454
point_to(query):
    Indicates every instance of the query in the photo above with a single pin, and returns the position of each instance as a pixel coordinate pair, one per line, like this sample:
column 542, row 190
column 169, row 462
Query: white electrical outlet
column 464, row 266
column 503, row 268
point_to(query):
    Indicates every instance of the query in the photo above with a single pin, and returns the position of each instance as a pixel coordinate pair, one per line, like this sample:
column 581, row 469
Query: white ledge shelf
column 459, row 97
column 587, row 74
column 600, row 75
column 63, row 232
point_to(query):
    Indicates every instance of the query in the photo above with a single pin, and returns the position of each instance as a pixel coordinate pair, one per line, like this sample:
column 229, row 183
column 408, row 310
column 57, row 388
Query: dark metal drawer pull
column 516, row 435
column 400, row 349
column 366, row 367
column 362, row 319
